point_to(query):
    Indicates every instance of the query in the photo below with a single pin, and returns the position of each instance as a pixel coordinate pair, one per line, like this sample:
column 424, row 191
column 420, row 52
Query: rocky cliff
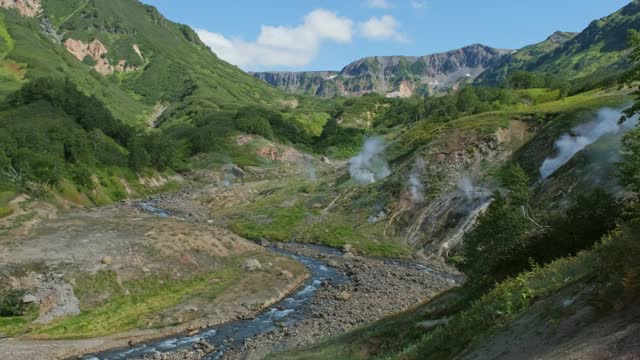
column 307, row 82
column 395, row 76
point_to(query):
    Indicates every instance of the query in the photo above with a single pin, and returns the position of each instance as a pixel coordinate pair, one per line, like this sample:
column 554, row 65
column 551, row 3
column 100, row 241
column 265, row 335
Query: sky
column 301, row 35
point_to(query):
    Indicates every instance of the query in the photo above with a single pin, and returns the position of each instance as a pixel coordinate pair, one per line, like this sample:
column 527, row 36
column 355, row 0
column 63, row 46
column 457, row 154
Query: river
column 233, row 334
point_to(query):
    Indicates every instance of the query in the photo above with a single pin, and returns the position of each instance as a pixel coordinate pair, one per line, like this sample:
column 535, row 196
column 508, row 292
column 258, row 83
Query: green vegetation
column 5, row 198
column 72, row 136
column 125, row 305
column 11, row 303
column 599, row 52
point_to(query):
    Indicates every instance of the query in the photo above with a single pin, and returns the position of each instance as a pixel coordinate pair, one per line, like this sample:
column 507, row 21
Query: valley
column 159, row 202
column 110, row 247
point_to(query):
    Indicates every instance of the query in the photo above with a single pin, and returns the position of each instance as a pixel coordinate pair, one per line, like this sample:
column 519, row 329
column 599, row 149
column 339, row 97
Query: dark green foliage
column 51, row 130
column 138, row 156
column 163, row 81
column 88, row 60
column 468, row 101
column 530, row 80
column 510, row 235
column 87, row 111
column 343, row 142
column 493, row 250
column 618, row 267
column 11, row 303
column 515, row 179
column 255, row 120
column 582, row 225
column 630, row 166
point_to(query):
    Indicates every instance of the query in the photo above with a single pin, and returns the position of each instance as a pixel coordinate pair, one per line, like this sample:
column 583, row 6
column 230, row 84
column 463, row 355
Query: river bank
column 376, row 288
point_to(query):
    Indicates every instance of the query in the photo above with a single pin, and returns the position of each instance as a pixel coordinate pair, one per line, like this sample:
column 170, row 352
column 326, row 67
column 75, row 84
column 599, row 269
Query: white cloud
column 418, row 4
column 379, row 4
column 282, row 45
column 383, row 28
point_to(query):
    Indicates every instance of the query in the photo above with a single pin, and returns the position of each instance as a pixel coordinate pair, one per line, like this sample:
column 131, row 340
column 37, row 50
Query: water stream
column 233, row 334
column 225, row 336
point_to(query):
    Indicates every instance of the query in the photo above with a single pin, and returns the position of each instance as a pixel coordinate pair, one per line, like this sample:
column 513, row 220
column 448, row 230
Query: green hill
column 139, row 58
column 84, row 83
column 600, row 49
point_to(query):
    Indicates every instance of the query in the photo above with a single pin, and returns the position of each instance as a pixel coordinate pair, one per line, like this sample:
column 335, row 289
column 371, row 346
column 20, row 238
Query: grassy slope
column 600, row 47
column 167, row 48
column 347, row 223
column 399, row 336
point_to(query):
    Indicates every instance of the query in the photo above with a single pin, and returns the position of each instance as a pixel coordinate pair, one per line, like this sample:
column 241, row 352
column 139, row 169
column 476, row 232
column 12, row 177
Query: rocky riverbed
column 376, row 288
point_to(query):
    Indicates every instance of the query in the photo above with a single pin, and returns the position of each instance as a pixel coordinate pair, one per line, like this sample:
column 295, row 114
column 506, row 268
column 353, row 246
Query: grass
column 398, row 337
column 5, row 198
column 123, row 312
column 275, row 216
column 10, row 326
column 339, row 230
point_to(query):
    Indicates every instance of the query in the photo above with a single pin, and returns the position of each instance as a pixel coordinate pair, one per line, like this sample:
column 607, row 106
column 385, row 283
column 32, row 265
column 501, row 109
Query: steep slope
column 139, row 58
column 519, row 59
column 394, row 76
column 601, row 47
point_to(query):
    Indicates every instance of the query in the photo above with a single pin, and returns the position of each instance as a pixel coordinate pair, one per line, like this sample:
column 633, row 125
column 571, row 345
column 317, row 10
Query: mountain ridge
column 394, row 76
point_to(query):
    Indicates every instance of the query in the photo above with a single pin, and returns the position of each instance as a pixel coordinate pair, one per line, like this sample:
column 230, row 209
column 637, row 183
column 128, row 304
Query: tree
column 468, row 101
column 630, row 164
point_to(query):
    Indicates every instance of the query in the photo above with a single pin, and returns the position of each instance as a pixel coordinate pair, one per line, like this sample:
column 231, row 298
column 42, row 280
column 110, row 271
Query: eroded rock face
column 97, row 51
column 28, row 8
column 56, row 299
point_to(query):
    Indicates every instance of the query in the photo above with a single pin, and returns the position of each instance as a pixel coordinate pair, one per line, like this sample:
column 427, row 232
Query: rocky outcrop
column 56, row 299
column 98, row 52
column 394, row 76
column 28, row 8
column 308, row 82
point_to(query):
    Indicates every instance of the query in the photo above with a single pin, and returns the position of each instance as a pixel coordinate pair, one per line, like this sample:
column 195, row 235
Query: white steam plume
column 416, row 188
column 581, row 136
column 465, row 185
column 308, row 167
column 369, row 165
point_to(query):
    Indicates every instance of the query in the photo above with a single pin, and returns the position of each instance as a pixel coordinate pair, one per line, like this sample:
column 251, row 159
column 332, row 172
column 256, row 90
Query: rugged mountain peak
column 28, row 8
column 394, row 76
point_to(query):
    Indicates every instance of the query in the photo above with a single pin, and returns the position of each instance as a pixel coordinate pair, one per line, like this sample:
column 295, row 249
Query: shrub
column 11, row 303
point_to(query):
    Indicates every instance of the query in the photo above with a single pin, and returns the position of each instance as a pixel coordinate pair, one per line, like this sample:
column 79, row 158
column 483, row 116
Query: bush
column 11, row 303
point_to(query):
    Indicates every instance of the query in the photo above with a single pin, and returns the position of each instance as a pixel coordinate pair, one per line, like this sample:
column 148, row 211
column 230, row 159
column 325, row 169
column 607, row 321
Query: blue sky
column 328, row 34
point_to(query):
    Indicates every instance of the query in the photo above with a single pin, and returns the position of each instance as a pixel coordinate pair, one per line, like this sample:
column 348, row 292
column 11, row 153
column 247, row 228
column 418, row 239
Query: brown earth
column 28, row 8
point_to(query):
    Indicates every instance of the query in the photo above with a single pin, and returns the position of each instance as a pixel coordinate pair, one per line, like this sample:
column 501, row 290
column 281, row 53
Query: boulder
column 286, row 274
column 251, row 265
column 29, row 299
column 264, row 242
column 343, row 296
column 204, row 346
column 107, row 260
column 234, row 170
column 56, row 299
